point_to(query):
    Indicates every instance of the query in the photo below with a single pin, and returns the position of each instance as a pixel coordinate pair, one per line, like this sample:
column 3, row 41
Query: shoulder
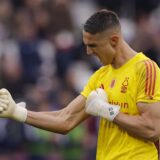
column 147, row 70
column 148, row 73
column 147, row 66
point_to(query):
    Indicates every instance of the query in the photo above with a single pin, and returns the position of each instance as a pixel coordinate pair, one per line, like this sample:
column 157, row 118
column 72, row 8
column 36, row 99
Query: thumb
column 21, row 104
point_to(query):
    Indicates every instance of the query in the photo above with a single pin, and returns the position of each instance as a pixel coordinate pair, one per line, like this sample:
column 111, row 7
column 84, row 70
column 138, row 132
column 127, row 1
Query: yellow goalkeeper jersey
column 136, row 81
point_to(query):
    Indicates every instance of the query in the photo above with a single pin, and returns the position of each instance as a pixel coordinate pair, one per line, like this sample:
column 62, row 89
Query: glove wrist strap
column 20, row 114
column 109, row 111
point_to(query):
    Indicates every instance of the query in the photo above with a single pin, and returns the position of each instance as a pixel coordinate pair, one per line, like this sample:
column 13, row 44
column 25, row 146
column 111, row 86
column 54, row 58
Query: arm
column 145, row 125
column 61, row 121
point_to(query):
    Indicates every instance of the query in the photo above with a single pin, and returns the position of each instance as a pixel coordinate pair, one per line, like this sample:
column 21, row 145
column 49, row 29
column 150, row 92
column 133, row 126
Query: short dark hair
column 101, row 21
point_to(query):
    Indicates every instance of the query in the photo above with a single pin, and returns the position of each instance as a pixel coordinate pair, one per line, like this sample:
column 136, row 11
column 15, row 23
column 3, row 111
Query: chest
column 121, row 88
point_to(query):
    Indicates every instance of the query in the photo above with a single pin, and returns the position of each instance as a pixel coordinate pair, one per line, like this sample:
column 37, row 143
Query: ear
column 114, row 40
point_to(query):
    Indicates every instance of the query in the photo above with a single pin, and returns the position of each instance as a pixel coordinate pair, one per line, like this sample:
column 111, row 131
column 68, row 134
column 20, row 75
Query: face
column 100, row 45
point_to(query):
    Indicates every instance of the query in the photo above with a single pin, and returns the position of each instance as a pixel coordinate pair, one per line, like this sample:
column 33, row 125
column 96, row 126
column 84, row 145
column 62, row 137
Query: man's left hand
column 97, row 105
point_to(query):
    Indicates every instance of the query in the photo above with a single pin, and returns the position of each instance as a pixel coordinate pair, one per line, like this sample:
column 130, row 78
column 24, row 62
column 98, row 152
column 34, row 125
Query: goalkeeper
column 124, row 93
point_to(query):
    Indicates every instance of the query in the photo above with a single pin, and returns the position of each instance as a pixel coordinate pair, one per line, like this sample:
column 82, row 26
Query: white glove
column 9, row 109
column 97, row 105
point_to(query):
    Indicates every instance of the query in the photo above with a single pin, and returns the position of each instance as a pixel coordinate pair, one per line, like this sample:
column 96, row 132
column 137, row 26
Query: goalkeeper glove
column 9, row 109
column 97, row 105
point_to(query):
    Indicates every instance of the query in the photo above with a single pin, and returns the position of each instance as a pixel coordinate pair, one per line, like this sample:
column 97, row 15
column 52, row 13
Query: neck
column 123, row 54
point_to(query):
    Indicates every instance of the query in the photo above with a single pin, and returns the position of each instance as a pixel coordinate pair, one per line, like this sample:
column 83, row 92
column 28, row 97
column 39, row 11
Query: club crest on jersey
column 124, row 86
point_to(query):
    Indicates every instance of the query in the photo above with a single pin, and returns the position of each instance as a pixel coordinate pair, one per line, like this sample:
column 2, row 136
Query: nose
column 89, row 51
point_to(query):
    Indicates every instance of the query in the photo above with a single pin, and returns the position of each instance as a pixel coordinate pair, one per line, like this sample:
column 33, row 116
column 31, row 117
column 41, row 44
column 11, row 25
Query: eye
column 92, row 45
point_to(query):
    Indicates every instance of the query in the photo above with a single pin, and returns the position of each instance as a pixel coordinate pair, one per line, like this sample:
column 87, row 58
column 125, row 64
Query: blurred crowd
column 43, row 62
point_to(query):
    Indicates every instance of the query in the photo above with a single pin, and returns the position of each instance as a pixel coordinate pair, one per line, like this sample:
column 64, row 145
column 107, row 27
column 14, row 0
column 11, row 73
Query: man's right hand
column 9, row 109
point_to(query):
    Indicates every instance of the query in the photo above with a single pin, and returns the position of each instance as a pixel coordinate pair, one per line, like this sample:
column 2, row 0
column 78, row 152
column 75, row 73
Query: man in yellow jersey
column 128, row 102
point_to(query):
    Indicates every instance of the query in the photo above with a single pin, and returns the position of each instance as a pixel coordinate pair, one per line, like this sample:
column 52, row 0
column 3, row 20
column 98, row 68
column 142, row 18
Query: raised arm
column 145, row 125
column 61, row 121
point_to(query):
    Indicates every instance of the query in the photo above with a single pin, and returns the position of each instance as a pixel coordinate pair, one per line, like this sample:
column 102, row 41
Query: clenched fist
column 97, row 105
column 9, row 109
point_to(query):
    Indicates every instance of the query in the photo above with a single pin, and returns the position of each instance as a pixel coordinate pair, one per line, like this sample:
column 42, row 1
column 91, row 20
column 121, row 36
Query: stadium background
column 43, row 62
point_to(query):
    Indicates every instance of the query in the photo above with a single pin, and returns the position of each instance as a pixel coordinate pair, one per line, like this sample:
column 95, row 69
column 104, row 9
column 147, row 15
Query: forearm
column 50, row 121
column 61, row 121
column 140, row 125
